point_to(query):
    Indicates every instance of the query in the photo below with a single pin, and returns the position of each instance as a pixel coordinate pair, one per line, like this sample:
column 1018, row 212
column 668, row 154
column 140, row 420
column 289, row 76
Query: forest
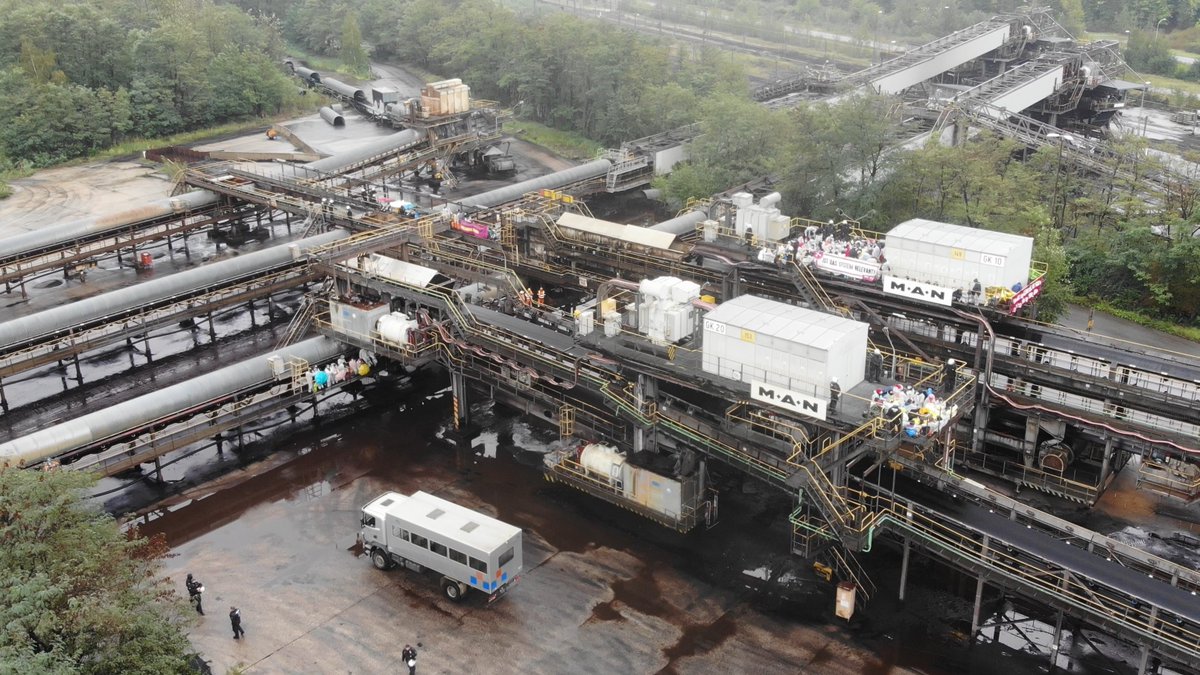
column 78, row 77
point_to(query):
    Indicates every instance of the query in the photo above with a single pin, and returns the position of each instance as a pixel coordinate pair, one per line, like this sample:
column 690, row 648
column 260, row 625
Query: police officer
column 409, row 656
column 949, row 377
column 875, row 366
column 235, row 620
column 195, row 590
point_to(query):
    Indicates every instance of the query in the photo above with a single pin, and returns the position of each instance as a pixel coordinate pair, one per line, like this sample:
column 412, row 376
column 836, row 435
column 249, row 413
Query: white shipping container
column 751, row 338
column 953, row 256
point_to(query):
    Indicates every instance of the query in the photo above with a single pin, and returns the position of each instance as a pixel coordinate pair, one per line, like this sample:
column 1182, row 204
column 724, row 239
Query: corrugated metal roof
column 785, row 322
column 957, row 236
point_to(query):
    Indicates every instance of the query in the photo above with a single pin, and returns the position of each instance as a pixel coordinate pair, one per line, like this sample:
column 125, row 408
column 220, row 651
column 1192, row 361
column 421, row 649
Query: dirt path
column 55, row 196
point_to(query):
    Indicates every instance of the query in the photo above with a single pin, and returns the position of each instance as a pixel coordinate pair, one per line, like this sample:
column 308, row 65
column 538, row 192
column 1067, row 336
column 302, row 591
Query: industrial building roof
column 785, row 322
column 958, row 236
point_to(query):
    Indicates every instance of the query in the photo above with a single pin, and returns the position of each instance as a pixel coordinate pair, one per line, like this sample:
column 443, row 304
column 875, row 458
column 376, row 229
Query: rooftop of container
column 785, row 322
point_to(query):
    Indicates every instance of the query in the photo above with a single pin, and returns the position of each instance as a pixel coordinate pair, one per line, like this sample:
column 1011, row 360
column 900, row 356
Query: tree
column 78, row 595
column 353, row 54
column 739, row 140
column 1072, row 17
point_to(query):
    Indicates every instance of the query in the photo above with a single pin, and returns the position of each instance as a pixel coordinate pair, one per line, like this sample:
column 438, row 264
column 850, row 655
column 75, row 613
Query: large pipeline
column 332, row 116
column 682, row 224
column 397, row 142
column 308, row 74
column 55, row 319
column 77, row 229
column 81, row 431
column 343, row 89
column 592, row 169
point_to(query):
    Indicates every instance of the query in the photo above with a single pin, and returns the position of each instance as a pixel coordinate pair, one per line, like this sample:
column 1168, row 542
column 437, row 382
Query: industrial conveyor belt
column 65, row 330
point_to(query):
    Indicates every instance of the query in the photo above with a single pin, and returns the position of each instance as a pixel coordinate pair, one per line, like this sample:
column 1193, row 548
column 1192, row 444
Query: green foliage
column 77, row 595
column 1146, row 54
column 81, row 76
column 587, row 77
column 352, row 51
column 1136, row 268
column 564, row 143
column 1056, row 291
column 740, row 140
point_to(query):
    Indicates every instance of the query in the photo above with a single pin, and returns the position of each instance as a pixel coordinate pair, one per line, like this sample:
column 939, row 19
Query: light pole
column 1156, row 27
column 875, row 39
column 1057, row 173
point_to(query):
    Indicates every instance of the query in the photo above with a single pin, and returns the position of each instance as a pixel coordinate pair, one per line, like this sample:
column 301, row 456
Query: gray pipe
column 597, row 167
column 76, row 433
column 680, row 225
column 75, row 229
column 308, row 74
column 332, row 116
column 353, row 93
column 397, row 142
column 33, row 326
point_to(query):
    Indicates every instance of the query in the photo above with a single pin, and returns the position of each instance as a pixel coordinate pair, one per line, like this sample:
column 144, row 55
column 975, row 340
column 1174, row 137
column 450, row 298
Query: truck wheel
column 380, row 559
column 452, row 589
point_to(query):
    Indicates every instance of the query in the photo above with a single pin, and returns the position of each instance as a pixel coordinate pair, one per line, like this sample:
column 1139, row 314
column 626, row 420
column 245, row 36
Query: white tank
column 395, row 327
column 602, row 461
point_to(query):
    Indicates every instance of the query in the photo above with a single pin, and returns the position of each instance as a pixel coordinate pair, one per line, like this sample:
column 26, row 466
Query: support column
column 253, row 321
column 158, row 471
column 459, row 404
column 212, row 329
column 975, row 612
column 979, row 592
column 146, row 345
column 981, row 421
column 3, row 398
column 1106, row 465
column 904, row 568
column 1058, row 622
column 645, row 396
column 1032, row 426
column 78, row 370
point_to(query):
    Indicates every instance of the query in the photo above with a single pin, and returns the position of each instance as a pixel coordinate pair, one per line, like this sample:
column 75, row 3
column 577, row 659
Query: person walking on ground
column 195, row 591
column 235, row 620
column 835, row 392
column 409, row 656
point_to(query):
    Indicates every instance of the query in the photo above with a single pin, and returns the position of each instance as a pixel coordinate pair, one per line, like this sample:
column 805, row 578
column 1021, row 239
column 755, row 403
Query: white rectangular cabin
column 470, row 549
